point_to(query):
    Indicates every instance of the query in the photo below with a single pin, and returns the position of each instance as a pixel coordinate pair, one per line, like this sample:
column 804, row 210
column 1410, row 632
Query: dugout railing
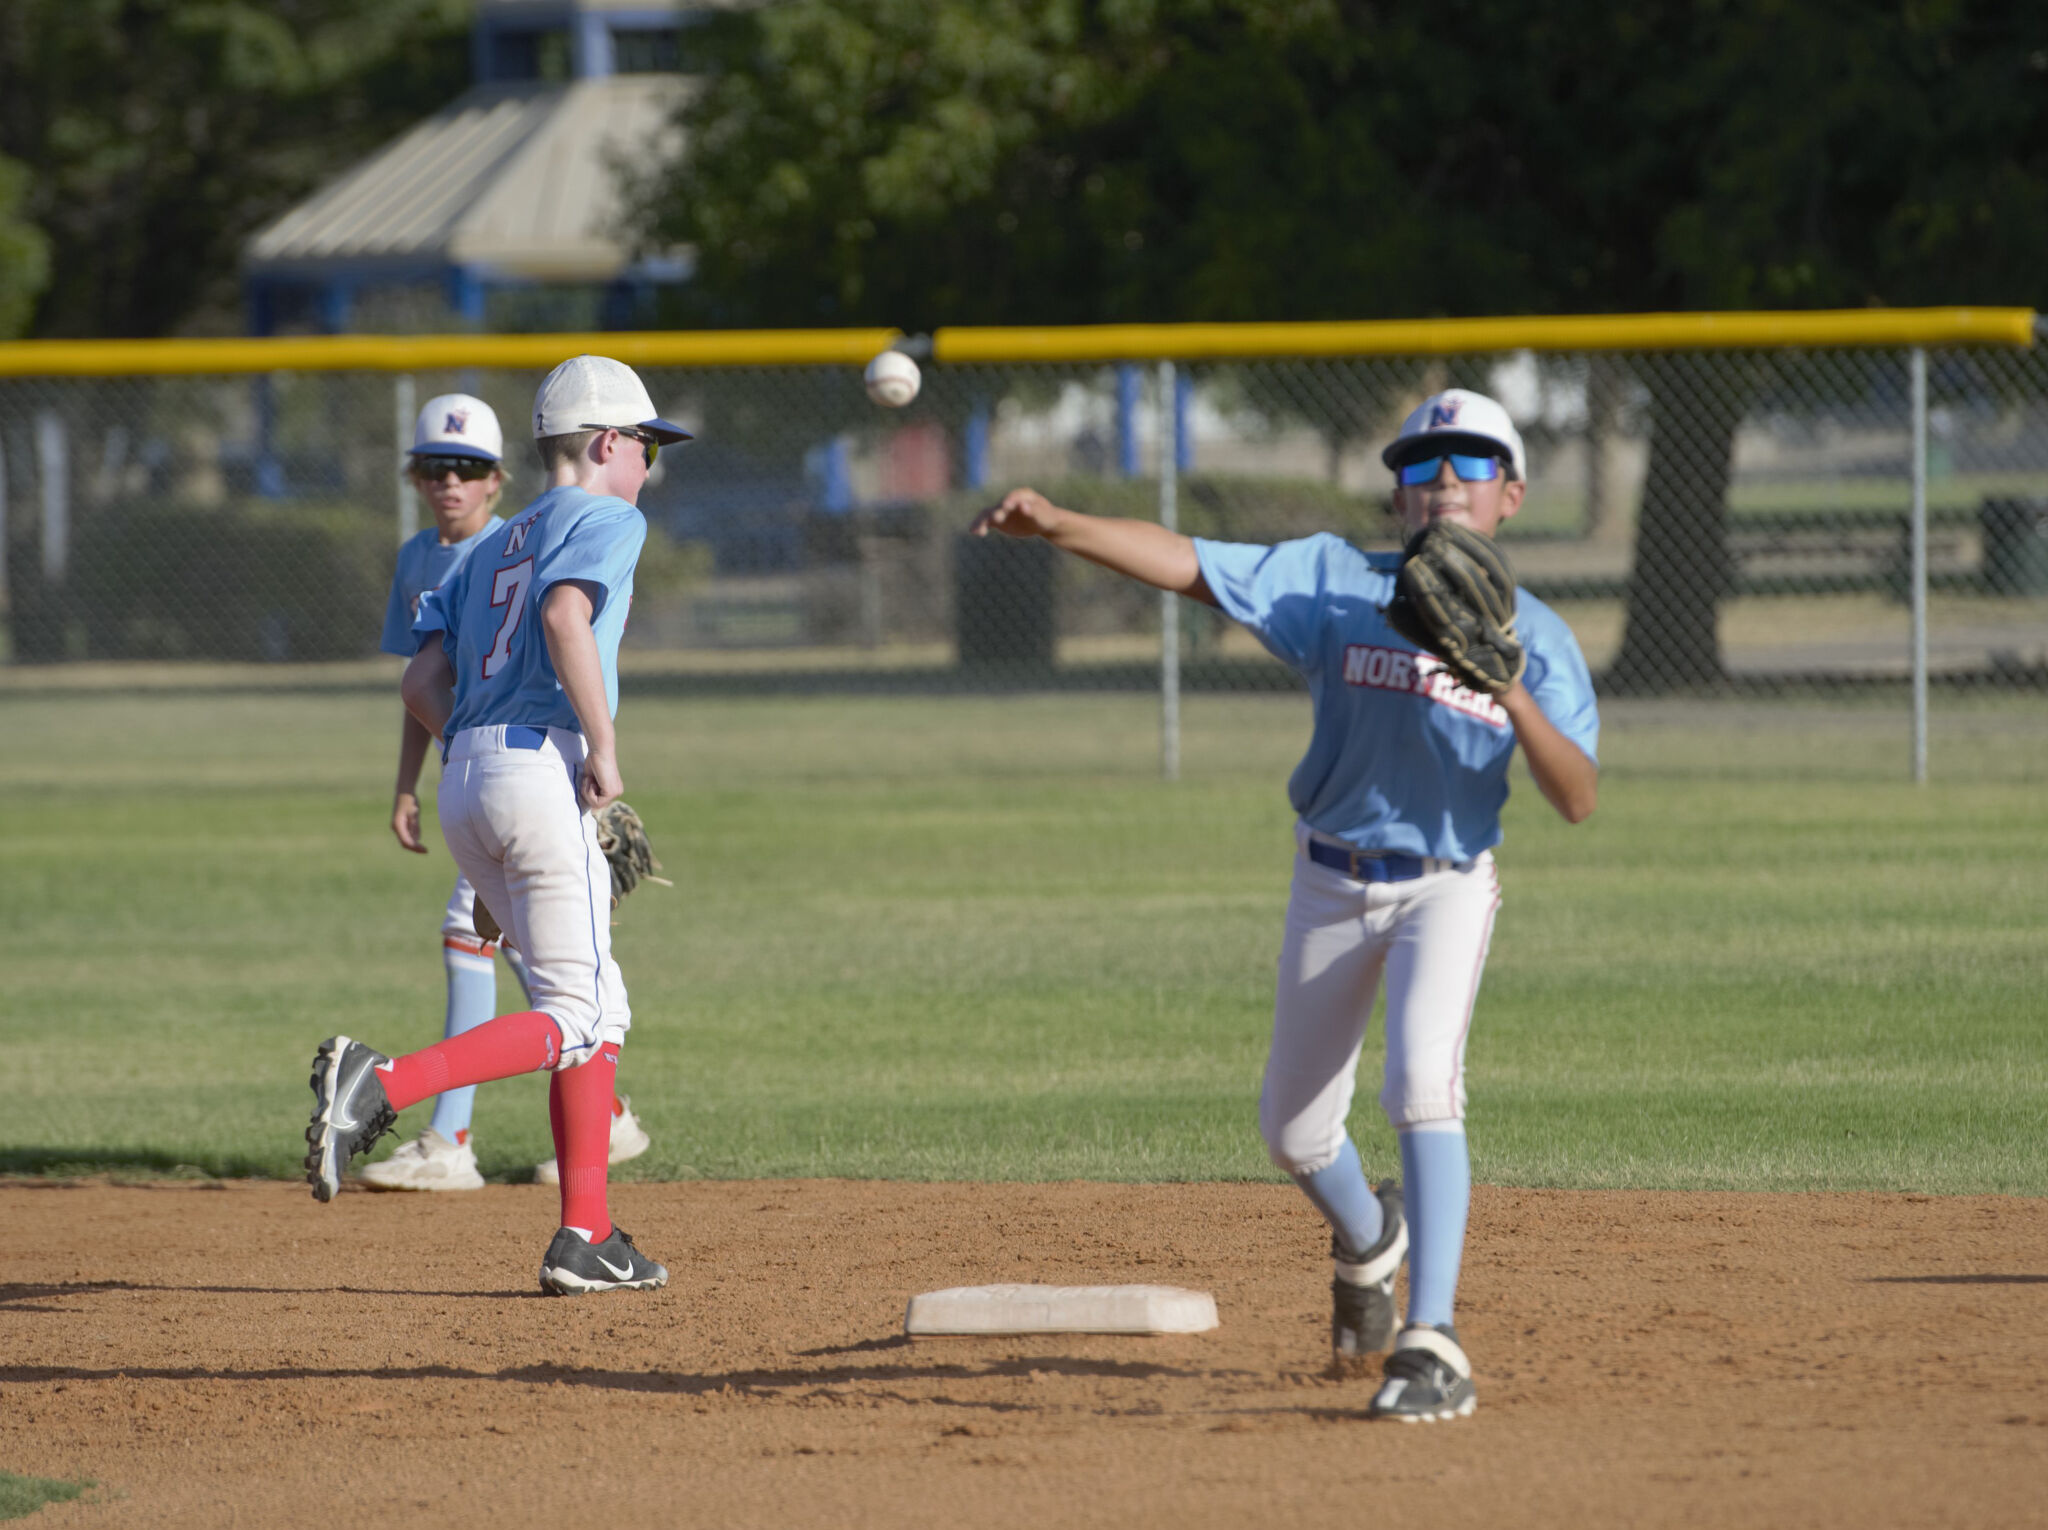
column 1766, row 505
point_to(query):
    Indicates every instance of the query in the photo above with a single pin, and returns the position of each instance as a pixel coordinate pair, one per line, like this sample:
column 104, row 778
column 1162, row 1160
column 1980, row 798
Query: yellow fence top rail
column 425, row 353
column 1096, row 342
column 1439, row 337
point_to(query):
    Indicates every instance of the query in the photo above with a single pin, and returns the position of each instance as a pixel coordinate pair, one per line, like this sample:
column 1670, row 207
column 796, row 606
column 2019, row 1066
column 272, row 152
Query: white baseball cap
column 456, row 425
column 598, row 393
column 1457, row 418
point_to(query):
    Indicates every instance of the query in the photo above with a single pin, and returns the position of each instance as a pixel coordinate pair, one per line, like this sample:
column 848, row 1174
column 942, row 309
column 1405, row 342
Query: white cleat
column 629, row 1140
column 428, row 1162
column 1429, row 1378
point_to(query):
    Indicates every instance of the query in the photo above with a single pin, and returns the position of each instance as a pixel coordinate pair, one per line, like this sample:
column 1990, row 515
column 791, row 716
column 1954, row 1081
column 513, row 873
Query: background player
column 456, row 465
column 518, row 674
column 1399, row 800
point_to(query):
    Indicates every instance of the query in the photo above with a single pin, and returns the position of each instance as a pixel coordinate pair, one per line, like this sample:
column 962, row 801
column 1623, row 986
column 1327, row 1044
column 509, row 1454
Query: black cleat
column 1429, row 1378
column 350, row 1111
column 574, row 1267
column 1362, row 1316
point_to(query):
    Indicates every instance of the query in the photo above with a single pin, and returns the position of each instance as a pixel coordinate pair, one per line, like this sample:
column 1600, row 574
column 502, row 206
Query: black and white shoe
column 350, row 1111
column 1429, row 1378
column 574, row 1266
column 1362, row 1315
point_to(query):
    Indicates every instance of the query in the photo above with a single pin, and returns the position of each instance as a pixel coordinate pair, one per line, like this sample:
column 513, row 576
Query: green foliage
column 249, row 581
column 164, row 132
column 1054, row 161
column 22, row 1496
column 977, row 938
column 668, row 567
column 24, row 252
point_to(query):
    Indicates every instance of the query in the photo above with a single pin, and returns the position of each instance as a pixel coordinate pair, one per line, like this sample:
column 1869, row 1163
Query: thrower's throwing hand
column 1022, row 513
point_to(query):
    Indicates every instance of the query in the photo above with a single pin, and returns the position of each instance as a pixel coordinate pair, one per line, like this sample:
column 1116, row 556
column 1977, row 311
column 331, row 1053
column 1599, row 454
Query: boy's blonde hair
column 556, row 450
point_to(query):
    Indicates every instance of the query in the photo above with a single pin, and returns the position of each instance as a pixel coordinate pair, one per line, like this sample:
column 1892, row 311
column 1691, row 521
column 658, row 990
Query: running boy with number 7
column 517, row 675
column 457, row 467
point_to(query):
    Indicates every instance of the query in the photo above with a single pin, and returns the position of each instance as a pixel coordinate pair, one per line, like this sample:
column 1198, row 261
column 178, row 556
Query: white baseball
column 892, row 379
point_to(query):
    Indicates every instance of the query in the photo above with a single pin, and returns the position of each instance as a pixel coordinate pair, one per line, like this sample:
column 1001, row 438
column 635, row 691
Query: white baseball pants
column 515, row 826
column 459, row 918
column 1428, row 937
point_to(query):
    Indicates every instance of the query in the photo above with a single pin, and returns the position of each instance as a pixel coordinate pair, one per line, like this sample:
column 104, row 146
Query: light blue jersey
column 424, row 563
column 1403, row 758
column 488, row 611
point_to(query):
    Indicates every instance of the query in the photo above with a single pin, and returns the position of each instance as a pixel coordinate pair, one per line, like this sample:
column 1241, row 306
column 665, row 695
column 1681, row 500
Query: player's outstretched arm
column 565, row 616
column 1569, row 781
column 428, row 689
column 1139, row 550
column 413, row 739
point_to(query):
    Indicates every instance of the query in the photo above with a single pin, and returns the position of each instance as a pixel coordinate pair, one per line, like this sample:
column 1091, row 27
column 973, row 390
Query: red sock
column 580, row 1110
column 500, row 1048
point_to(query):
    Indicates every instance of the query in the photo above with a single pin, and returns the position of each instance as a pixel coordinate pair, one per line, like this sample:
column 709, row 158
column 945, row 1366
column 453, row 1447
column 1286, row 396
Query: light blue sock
column 472, row 999
column 1345, row 1199
column 1437, row 1172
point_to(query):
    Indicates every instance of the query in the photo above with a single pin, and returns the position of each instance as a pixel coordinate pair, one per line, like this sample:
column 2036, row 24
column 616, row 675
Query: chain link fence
column 1709, row 522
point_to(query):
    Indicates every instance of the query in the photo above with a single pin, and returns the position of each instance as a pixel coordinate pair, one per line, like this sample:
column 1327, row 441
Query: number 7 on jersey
column 508, row 589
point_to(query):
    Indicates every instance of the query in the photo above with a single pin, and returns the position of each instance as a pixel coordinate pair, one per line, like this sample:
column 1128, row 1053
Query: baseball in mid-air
column 892, row 379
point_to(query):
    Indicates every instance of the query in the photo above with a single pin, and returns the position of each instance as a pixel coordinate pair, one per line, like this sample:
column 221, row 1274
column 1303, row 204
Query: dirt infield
column 237, row 1355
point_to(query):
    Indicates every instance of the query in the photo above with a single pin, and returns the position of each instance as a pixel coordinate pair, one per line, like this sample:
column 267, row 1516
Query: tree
column 1070, row 162
column 24, row 253
column 1832, row 154
column 164, row 132
column 1054, row 161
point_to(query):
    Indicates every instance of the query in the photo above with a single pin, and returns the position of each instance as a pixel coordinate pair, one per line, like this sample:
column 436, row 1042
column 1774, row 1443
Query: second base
column 1060, row 1309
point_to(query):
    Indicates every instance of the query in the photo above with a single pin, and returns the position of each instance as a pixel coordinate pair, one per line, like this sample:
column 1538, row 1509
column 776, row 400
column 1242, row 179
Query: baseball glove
column 1455, row 597
column 623, row 839
column 486, row 926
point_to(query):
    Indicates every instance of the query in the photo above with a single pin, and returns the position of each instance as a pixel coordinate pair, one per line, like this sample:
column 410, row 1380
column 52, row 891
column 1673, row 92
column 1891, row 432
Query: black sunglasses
column 648, row 443
column 468, row 469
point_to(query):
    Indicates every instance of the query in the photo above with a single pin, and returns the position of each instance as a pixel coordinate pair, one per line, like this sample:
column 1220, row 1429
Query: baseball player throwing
column 1399, row 800
column 517, row 675
column 456, row 465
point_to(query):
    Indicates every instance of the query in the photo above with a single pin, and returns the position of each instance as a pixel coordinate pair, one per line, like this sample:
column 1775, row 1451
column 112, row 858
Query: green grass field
column 22, row 1496
column 978, row 939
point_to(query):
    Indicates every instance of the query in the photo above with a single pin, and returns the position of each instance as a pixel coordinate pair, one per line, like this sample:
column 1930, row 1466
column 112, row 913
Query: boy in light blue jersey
column 568, row 534
column 456, row 466
column 517, row 673
column 1398, row 801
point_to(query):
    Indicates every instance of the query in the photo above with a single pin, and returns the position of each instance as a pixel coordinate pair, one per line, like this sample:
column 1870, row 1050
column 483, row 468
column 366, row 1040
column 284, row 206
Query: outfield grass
column 977, row 939
column 21, row 1496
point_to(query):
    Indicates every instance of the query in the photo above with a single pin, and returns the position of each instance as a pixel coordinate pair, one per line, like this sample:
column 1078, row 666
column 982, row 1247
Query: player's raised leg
column 358, row 1091
column 1330, row 965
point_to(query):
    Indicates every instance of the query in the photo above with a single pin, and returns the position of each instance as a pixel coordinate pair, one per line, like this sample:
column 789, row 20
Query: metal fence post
column 1169, row 603
column 403, row 409
column 1918, row 367
column 53, row 469
column 5, row 602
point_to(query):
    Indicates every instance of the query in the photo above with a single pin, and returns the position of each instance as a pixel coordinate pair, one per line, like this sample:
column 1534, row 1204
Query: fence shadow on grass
column 61, row 1162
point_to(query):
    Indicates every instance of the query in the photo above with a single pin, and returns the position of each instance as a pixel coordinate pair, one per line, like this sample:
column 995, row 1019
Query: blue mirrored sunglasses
column 1468, row 469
